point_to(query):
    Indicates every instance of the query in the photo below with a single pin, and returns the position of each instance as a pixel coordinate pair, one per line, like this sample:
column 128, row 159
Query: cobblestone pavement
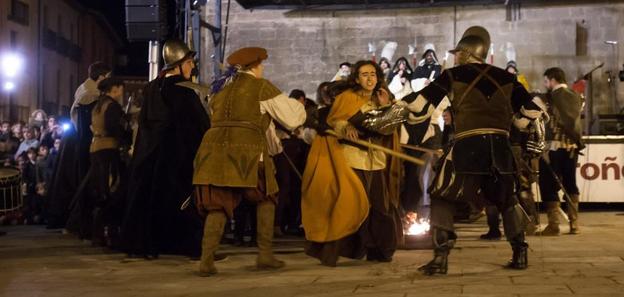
column 39, row 262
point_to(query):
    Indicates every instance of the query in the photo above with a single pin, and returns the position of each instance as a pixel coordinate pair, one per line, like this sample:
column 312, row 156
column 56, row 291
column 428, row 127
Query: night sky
column 114, row 10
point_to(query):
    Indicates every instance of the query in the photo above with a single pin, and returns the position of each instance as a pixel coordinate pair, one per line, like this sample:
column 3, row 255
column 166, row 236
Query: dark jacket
column 565, row 107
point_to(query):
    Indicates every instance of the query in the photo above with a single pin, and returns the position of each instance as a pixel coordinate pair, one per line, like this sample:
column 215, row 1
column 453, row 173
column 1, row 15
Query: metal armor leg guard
column 514, row 222
column 528, row 204
column 443, row 241
column 520, row 257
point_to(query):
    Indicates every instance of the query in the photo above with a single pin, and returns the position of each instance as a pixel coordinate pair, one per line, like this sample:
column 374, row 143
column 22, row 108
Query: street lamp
column 11, row 64
column 9, row 86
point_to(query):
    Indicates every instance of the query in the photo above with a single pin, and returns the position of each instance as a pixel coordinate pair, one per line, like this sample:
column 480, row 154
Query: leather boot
column 265, row 218
column 552, row 229
column 213, row 230
column 573, row 210
column 443, row 242
column 520, row 258
column 493, row 221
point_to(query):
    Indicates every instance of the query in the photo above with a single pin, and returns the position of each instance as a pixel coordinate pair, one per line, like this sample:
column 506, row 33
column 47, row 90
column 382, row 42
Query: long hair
column 407, row 65
column 384, row 59
column 322, row 94
column 381, row 81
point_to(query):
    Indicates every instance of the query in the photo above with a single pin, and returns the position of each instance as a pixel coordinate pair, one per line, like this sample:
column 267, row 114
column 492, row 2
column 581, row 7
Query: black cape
column 70, row 167
column 172, row 124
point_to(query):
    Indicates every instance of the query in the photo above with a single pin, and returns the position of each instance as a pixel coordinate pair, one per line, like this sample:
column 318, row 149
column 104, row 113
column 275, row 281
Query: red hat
column 247, row 56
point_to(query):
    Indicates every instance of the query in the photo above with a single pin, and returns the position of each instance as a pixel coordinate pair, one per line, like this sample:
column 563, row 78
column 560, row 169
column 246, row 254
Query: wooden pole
column 422, row 149
column 379, row 148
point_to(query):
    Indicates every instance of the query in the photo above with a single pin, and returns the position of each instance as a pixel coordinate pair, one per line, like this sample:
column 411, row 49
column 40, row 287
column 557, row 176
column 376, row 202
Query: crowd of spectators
column 33, row 149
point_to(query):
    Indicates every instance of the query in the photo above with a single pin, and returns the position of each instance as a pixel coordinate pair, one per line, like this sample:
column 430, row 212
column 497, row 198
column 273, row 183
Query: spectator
column 5, row 134
column 53, row 155
column 29, row 142
column 32, row 201
column 343, row 72
column 24, row 129
column 44, row 172
column 52, row 132
column 16, row 131
column 38, row 118
column 384, row 63
column 400, row 85
column 36, row 132
column 401, row 66
column 7, row 146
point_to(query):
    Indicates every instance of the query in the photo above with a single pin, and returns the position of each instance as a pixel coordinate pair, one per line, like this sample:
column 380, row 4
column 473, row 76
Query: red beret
column 247, row 56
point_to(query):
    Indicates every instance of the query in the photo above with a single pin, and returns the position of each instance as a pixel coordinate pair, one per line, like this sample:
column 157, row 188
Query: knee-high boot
column 573, row 210
column 213, row 230
column 265, row 218
column 552, row 229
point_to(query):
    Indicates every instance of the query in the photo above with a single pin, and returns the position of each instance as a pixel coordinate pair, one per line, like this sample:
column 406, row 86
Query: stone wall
column 305, row 47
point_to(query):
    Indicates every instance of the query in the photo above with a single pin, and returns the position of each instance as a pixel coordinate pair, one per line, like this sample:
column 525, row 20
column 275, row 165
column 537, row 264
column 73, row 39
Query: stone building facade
column 306, row 46
column 57, row 41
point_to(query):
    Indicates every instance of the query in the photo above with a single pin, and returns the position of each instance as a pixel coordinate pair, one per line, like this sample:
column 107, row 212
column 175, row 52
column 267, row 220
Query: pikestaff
column 379, row 148
column 422, row 149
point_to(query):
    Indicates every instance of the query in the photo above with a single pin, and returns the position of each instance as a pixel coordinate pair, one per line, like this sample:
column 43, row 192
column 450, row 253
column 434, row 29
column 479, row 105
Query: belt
column 237, row 124
column 481, row 131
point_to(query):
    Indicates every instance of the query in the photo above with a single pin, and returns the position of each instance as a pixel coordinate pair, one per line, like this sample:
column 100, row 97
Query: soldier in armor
column 171, row 125
column 234, row 160
column 527, row 145
column 480, row 163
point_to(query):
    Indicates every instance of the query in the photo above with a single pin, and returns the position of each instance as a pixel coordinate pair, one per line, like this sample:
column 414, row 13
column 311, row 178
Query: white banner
column 600, row 172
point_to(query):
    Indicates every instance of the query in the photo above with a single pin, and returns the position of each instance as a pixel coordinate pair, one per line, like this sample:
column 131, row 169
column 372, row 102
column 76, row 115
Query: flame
column 418, row 228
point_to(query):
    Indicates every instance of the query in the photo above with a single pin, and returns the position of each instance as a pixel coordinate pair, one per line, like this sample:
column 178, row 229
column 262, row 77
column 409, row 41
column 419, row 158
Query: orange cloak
column 334, row 203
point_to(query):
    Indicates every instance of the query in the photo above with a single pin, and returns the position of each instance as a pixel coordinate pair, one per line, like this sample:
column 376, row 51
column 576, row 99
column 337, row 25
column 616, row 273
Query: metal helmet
column 174, row 52
column 475, row 41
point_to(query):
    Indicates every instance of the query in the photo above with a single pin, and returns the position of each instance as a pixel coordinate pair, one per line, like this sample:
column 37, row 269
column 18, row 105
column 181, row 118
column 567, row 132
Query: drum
column 10, row 190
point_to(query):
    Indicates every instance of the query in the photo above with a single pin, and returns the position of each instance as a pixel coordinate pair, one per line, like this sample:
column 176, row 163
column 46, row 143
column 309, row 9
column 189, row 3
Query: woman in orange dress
column 349, row 205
